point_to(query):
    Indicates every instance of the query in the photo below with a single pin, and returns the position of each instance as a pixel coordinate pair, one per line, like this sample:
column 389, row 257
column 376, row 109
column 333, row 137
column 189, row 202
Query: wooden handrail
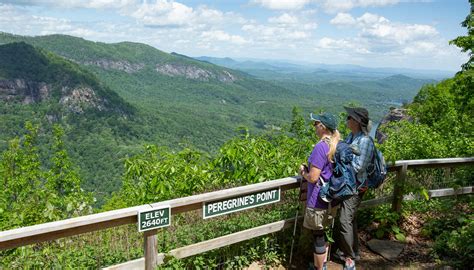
column 73, row 226
column 431, row 163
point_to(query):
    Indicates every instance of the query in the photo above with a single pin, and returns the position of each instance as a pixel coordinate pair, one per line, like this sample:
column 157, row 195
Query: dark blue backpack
column 342, row 183
column 377, row 169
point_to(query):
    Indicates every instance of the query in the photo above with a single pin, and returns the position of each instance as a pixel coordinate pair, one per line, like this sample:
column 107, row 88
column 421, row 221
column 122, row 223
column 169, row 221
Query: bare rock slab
column 386, row 248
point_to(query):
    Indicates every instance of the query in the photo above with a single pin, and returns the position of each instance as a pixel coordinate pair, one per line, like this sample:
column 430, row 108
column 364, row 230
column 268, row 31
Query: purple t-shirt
column 319, row 159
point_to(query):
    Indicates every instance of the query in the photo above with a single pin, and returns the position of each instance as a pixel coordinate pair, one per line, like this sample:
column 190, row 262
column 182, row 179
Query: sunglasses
column 316, row 124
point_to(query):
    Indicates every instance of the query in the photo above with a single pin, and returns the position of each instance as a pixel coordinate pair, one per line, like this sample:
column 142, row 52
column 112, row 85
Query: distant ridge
column 32, row 75
column 285, row 66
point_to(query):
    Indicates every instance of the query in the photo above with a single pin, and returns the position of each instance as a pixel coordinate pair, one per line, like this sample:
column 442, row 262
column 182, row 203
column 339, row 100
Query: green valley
column 167, row 99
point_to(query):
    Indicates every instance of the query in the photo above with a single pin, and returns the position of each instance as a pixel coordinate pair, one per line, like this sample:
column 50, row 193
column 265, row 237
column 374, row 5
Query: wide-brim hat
column 359, row 114
column 327, row 119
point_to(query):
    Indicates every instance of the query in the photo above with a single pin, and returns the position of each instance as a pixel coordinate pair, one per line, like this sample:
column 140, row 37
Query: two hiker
column 318, row 172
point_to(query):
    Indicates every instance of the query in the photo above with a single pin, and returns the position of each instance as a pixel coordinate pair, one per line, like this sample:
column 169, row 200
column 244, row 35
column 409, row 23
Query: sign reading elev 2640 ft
column 234, row 204
column 150, row 219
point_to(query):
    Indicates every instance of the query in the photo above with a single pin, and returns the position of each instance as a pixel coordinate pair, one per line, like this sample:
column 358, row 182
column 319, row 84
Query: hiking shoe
column 339, row 256
column 325, row 267
column 311, row 267
column 357, row 257
column 349, row 265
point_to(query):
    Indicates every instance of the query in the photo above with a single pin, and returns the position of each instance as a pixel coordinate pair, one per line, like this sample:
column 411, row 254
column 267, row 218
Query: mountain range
column 114, row 98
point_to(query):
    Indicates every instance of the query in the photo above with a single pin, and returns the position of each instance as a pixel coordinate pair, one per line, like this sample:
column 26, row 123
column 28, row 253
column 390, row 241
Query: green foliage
column 298, row 125
column 158, row 175
column 42, row 184
column 450, row 223
column 22, row 199
column 33, row 194
column 170, row 111
column 466, row 43
column 66, row 198
column 412, row 141
column 249, row 160
column 442, row 125
column 383, row 222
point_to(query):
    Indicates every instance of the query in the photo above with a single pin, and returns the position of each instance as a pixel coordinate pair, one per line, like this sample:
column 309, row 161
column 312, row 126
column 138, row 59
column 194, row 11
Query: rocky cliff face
column 170, row 69
column 80, row 98
column 395, row 115
column 117, row 65
column 75, row 100
column 194, row 72
column 26, row 92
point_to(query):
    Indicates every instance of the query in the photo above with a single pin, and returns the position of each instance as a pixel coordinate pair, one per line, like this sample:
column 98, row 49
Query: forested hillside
column 176, row 101
column 330, row 86
column 164, row 99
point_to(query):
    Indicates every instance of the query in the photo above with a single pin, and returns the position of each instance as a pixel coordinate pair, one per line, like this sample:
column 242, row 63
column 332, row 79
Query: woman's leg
column 320, row 249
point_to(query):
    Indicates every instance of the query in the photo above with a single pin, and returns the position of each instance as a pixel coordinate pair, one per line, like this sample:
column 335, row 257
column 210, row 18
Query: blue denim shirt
column 360, row 162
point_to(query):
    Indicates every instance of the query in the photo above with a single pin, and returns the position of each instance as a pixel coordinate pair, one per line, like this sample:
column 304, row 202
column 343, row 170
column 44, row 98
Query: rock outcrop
column 75, row 100
column 26, row 92
column 80, row 98
column 194, row 72
column 395, row 115
column 117, row 65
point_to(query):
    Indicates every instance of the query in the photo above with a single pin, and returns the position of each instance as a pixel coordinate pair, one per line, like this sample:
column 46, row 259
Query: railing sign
column 239, row 203
column 154, row 218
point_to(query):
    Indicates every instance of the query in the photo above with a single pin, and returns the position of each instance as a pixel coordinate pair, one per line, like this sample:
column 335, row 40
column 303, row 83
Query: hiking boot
column 311, row 267
column 349, row 265
column 357, row 257
column 339, row 256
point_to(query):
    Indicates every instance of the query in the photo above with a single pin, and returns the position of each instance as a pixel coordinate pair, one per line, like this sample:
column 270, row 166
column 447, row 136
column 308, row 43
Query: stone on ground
column 386, row 248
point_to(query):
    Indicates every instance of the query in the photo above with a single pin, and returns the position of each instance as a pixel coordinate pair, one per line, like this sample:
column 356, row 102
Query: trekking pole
column 296, row 222
column 328, row 256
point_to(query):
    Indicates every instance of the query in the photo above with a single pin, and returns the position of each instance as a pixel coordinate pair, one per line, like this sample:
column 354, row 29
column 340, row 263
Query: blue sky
column 372, row 33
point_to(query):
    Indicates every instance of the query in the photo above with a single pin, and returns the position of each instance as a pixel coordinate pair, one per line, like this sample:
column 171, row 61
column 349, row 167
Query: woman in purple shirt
column 320, row 166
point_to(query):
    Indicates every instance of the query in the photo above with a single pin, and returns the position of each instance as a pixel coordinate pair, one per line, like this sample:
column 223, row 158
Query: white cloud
column 369, row 18
column 343, row 19
column 343, row 45
column 219, row 35
column 335, row 6
column 420, row 47
column 284, row 19
column 96, row 4
column 282, row 4
column 377, row 27
column 294, row 27
column 275, row 34
column 163, row 13
column 201, row 30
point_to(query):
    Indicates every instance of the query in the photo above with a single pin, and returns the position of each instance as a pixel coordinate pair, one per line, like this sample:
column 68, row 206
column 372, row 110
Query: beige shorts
column 319, row 219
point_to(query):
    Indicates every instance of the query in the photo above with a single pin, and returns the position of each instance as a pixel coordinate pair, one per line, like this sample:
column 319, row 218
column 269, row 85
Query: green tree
column 33, row 194
column 65, row 195
column 298, row 125
column 22, row 198
column 466, row 43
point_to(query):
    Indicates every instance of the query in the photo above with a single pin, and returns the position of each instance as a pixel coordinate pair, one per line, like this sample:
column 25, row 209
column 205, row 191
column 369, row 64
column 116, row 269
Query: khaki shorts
column 319, row 219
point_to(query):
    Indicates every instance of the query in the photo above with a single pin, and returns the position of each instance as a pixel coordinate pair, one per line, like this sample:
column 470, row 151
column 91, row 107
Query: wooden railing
column 74, row 226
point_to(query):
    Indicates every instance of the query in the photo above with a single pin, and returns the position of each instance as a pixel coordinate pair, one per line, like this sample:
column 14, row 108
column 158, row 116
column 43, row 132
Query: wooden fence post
column 151, row 253
column 398, row 189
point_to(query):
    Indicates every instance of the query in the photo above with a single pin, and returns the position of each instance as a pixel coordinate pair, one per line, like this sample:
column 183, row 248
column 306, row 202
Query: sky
column 372, row 33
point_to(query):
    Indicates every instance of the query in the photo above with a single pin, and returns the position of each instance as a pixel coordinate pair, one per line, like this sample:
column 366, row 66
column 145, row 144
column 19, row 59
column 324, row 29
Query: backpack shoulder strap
column 327, row 141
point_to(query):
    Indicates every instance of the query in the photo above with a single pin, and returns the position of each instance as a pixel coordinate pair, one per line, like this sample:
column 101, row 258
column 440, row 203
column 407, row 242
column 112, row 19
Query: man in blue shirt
column 358, row 123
